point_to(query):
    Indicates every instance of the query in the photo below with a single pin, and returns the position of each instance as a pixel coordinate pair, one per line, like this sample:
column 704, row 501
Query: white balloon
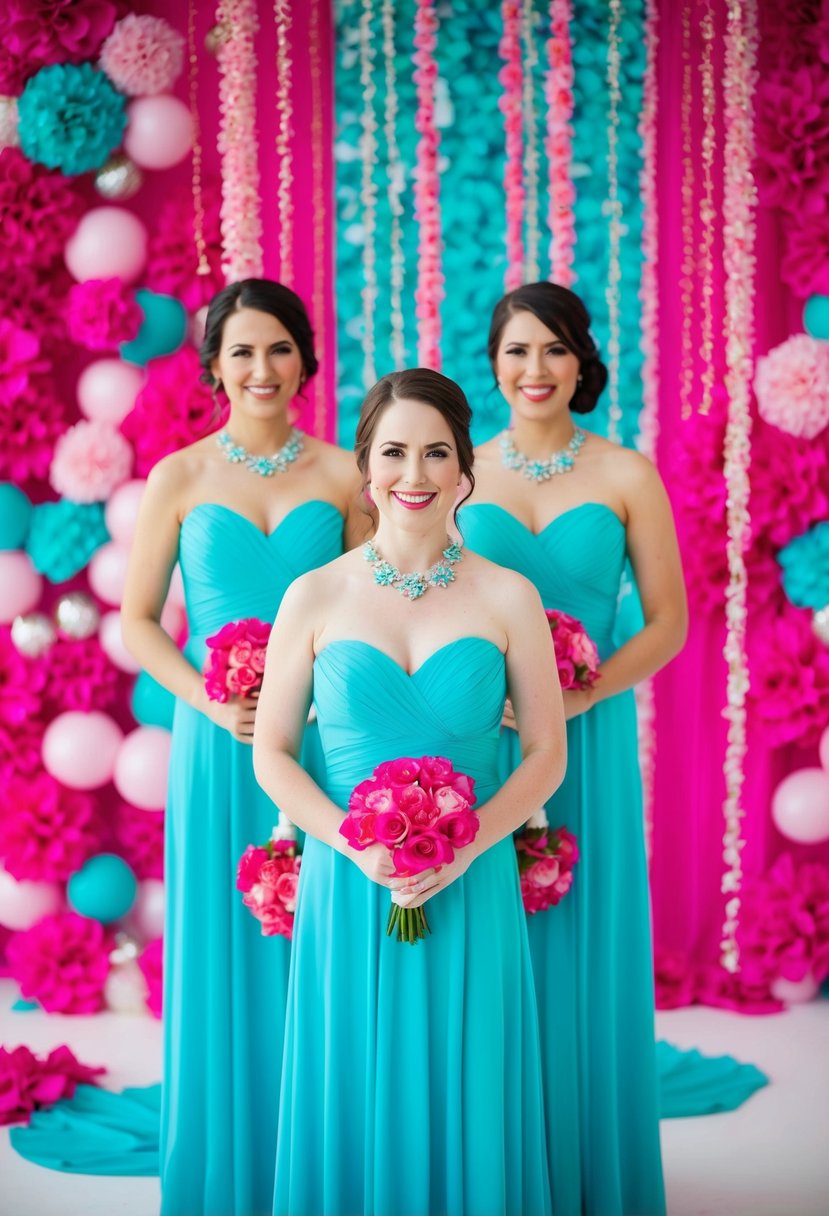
column 112, row 643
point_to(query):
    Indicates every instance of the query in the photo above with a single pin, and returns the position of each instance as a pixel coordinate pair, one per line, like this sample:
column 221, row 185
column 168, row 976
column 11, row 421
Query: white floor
column 770, row 1158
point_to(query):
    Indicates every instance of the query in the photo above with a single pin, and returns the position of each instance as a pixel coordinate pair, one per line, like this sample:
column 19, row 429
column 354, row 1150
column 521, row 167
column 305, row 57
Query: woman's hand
column 417, row 889
column 577, row 701
column 375, row 862
column 237, row 716
column 509, row 716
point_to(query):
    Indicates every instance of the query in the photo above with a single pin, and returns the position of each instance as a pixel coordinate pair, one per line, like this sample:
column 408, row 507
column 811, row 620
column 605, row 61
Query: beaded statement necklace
column 265, row 466
column 414, row 585
column 541, row 470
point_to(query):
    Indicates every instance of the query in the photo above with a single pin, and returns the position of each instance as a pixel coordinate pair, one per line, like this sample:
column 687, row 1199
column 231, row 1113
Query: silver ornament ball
column 820, row 624
column 32, row 634
column 118, row 178
column 9, row 135
column 77, row 615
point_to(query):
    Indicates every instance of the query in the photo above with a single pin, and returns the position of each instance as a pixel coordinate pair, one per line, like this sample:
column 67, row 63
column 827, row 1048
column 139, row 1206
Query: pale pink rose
column 240, row 654
column 391, row 828
column 286, row 889
column 240, row 680
column 545, row 873
column 272, row 870
column 563, row 884
column 381, row 800
column 257, row 659
column 448, row 801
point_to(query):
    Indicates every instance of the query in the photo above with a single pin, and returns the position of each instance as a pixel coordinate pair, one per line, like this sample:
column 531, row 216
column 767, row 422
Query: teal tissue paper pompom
column 63, row 537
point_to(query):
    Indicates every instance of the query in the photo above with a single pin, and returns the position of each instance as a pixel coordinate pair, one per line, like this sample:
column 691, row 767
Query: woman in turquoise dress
column 567, row 509
column 411, row 1078
column 243, row 512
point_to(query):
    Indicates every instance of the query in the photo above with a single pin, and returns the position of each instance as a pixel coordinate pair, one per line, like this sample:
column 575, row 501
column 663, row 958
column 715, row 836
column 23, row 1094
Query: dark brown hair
column 564, row 313
column 431, row 388
column 264, row 295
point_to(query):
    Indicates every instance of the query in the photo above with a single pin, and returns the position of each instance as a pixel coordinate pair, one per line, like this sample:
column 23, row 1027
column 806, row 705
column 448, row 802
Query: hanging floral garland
column 614, row 214
column 739, row 201
column 395, row 178
column 202, row 265
column 558, row 144
column 429, row 292
column 707, row 213
column 511, row 78
column 368, row 190
column 687, row 195
column 241, row 223
column 284, row 107
column 320, row 202
column 532, row 267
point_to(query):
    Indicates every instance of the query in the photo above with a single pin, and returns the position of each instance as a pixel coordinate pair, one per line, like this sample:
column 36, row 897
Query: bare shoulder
column 172, row 478
column 313, row 593
column 504, row 589
column 625, row 469
column 336, row 459
column 487, row 452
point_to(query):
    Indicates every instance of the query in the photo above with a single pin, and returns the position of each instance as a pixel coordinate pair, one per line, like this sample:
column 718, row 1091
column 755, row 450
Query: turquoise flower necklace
column 265, row 466
column 541, row 470
column 414, row 585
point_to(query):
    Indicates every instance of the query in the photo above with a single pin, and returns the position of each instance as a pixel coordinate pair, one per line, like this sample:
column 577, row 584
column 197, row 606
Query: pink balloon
column 121, row 510
column 147, row 913
column 79, row 749
column 108, row 243
column 113, row 646
column 159, row 131
column 175, row 594
column 107, row 389
column 823, row 749
column 800, row 806
column 23, row 904
column 141, row 767
column 794, row 992
column 20, row 585
column 107, row 572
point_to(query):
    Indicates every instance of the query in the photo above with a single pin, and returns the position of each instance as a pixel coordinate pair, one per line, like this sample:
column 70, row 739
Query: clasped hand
column 415, row 889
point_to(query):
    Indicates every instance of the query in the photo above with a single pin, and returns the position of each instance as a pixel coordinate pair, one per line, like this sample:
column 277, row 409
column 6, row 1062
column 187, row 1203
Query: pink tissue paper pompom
column 789, row 695
column 103, row 313
column 78, row 675
column 792, row 386
column 174, row 408
column 28, row 1084
column 151, row 962
column 62, row 962
column 47, row 832
column 39, row 209
column 37, row 33
column 90, row 460
column 143, row 55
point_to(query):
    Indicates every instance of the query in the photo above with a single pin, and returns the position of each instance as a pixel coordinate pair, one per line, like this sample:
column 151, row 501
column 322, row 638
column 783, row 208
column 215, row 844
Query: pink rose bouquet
column 421, row 810
column 576, row 655
column 545, row 863
column 237, row 659
column 268, row 876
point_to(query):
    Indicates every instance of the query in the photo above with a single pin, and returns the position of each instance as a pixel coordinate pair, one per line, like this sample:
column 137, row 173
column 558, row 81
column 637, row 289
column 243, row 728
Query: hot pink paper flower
column 792, row 132
column 103, row 313
column 173, row 261
column 805, row 264
column 29, row 428
column 35, row 299
column 91, row 460
column 143, row 55
column 784, row 923
column 151, row 962
column 20, row 360
column 675, row 979
column 173, row 409
column 789, row 665
column 140, row 839
column 77, row 674
column 789, row 483
column 21, row 684
column 39, row 210
column 46, row 831
column 62, row 963
column 792, row 385
column 40, row 32
column 28, row 1084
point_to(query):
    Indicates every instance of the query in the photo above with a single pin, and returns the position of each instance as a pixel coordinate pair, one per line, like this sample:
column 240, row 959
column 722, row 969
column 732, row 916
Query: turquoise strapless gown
column 592, row 954
column 225, row 984
column 403, row 1093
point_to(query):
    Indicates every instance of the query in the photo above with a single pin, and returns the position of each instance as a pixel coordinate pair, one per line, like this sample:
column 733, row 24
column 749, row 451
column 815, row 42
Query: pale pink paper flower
column 792, row 386
column 91, row 460
column 143, row 55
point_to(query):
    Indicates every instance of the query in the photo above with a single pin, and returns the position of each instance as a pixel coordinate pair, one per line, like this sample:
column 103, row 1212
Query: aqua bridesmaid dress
column 411, row 1076
column 591, row 955
column 225, row 984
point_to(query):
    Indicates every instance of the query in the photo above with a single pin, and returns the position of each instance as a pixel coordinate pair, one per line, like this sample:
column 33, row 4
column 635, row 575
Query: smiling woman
column 243, row 511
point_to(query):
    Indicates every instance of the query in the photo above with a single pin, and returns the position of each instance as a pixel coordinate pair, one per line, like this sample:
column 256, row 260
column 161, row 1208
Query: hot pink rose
column 434, row 771
column 417, row 805
column 566, row 672
column 459, row 827
column 391, row 828
column 272, row 871
column 402, row 771
column 257, row 659
column 463, row 785
column 422, row 851
column 250, row 864
column 359, row 830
